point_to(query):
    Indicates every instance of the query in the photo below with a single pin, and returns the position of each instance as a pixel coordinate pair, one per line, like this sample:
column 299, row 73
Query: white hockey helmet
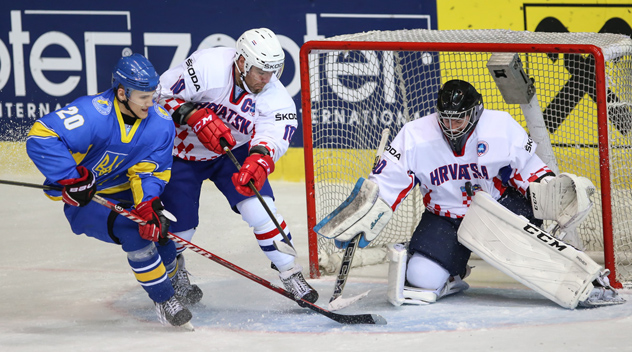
column 261, row 48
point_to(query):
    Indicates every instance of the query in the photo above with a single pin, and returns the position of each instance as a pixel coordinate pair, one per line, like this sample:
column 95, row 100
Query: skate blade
column 187, row 326
column 340, row 303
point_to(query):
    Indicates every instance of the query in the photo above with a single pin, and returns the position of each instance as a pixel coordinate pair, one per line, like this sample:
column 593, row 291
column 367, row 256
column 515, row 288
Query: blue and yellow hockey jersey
column 90, row 132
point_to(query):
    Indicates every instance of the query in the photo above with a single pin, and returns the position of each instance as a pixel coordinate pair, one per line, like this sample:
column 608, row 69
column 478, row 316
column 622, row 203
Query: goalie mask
column 260, row 48
column 459, row 107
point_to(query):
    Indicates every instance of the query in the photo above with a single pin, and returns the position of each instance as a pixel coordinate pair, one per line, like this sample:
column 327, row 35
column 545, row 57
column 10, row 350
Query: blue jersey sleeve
column 57, row 142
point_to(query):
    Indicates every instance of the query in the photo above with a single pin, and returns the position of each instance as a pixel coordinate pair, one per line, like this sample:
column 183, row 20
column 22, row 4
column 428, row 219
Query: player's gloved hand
column 156, row 224
column 79, row 191
column 209, row 129
column 256, row 167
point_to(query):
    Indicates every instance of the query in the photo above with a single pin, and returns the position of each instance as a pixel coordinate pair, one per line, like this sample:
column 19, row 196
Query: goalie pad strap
column 524, row 252
column 362, row 212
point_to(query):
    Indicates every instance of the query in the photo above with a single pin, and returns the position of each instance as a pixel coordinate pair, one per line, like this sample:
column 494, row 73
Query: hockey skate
column 602, row 293
column 185, row 292
column 172, row 312
column 454, row 285
column 294, row 282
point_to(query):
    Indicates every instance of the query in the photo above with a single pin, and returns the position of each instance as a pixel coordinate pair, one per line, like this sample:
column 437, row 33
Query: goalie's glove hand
column 209, row 129
column 255, row 168
column 156, row 224
column 564, row 198
column 79, row 191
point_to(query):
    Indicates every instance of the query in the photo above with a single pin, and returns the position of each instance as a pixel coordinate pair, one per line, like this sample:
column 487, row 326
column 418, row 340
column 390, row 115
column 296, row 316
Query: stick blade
column 341, row 303
column 285, row 248
column 187, row 326
column 371, row 319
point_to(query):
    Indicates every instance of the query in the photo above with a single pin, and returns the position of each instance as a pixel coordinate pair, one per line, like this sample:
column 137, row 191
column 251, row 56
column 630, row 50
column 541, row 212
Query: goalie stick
column 340, row 318
column 336, row 301
column 283, row 247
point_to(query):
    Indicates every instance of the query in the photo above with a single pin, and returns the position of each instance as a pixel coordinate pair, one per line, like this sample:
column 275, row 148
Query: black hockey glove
column 156, row 224
column 79, row 191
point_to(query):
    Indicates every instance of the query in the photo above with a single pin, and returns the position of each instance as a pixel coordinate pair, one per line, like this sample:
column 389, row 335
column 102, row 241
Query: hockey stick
column 283, row 247
column 336, row 301
column 342, row 319
column 49, row 188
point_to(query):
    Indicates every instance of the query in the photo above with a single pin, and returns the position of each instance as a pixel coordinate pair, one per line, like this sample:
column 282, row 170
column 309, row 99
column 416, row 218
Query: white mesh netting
column 354, row 94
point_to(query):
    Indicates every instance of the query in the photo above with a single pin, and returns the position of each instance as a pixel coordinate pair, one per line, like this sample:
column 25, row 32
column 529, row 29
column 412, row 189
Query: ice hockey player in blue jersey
column 118, row 144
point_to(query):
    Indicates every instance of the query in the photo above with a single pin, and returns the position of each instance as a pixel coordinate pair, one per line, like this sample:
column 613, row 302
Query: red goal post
column 353, row 86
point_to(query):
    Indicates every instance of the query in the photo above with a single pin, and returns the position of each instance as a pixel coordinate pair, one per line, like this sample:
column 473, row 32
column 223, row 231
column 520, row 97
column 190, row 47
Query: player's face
column 257, row 78
column 455, row 125
column 140, row 102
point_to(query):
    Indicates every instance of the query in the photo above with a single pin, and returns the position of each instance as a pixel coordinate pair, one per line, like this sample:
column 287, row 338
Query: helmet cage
column 458, row 100
column 456, row 118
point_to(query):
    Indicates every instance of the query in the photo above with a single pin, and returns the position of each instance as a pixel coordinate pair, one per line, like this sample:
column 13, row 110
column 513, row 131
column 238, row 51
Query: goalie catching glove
column 565, row 199
column 156, row 225
column 362, row 213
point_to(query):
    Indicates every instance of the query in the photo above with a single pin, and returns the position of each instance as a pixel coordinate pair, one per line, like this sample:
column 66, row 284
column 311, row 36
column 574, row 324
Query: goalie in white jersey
column 452, row 154
column 232, row 94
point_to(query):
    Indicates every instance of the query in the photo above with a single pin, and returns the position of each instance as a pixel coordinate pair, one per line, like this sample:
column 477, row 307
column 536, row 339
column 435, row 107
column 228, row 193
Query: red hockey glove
column 209, row 129
column 156, row 223
column 256, row 167
column 79, row 191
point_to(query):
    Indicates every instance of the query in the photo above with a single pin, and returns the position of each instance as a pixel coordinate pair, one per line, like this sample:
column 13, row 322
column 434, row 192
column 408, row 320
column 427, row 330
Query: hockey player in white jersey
column 452, row 154
column 232, row 94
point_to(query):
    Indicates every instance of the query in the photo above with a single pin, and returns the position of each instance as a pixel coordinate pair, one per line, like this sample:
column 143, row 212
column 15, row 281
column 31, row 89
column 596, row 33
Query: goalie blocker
column 363, row 212
column 533, row 257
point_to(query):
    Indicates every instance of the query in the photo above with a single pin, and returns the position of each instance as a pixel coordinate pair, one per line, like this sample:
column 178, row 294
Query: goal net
column 353, row 86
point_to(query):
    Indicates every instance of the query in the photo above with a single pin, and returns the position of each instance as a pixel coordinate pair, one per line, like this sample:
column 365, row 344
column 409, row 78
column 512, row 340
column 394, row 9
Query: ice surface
column 62, row 292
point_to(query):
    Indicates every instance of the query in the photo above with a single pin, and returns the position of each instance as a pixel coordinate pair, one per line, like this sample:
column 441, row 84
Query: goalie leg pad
column 398, row 293
column 524, row 252
column 362, row 212
column 398, row 258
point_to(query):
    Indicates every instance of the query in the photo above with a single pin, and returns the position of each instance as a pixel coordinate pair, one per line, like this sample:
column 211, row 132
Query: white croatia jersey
column 497, row 154
column 207, row 79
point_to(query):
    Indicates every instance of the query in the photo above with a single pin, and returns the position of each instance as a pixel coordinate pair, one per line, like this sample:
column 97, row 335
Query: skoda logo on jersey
column 102, row 105
column 482, row 148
